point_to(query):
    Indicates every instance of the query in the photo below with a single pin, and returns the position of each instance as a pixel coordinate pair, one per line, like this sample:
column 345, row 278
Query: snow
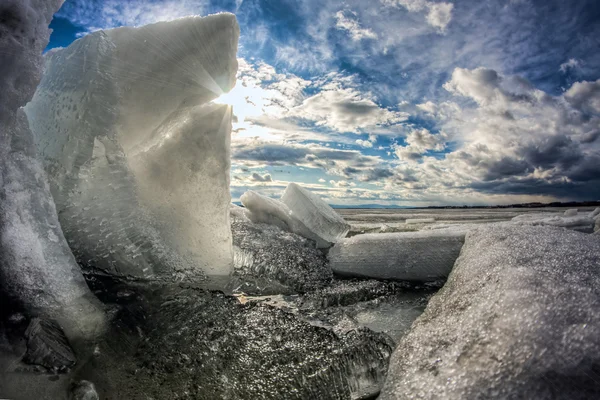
column 571, row 212
column 517, row 318
column 324, row 223
column 137, row 156
column 37, row 268
column 411, row 256
column 581, row 223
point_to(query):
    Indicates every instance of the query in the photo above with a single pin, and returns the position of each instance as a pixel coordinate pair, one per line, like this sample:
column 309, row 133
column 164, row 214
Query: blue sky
column 407, row 102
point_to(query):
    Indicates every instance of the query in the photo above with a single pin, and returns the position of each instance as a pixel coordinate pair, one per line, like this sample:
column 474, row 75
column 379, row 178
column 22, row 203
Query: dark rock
column 48, row 346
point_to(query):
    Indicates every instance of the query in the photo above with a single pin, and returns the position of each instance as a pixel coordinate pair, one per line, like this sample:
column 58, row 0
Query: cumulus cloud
column 518, row 138
column 364, row 143
column 439, row 15
column 261, row 178
column 346, row 109
column 347, row 21
column 419, row 142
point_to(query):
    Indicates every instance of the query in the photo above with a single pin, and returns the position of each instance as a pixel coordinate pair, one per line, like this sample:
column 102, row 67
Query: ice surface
column 324, row 223
column 137, row 156
column 571, row 213
column 518, row 318
column 420, row 221
column 581, row 223
column 412, row 256
column 37, row 267
column 266, row 251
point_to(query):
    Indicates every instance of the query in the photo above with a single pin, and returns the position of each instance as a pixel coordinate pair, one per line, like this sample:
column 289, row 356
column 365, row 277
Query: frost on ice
column 37, row 267
column 299, row 211
column 518, row 318
column 411, row 256
column 137, row 155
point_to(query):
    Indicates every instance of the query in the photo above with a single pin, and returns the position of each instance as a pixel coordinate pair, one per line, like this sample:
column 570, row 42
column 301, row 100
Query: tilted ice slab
column 412, row 256
column 325, row 224
column 578, row 222
column 518, row 318
column 137, row 156
column 37, row 268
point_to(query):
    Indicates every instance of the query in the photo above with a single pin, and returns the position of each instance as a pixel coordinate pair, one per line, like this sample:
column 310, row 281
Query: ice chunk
column 518, row 318
column 37, row 268
column 263, row 209
column 266, row 251
column 411, row 256
column 324, row 223
column 420, row 221
column 138, row 157
column 571, row 213
column 595, row 213
column 581, row 223
column 597, row 224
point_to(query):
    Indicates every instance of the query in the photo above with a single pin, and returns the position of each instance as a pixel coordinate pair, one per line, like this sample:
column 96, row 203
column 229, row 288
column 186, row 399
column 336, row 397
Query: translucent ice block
column 315, row 214
column 412, row 256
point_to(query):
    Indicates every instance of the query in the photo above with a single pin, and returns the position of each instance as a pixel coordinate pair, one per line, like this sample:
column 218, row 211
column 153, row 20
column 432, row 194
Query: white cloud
column 364, row 143
column 351, row 25
column 346, row 109
column 439, row 15
column 569, row 65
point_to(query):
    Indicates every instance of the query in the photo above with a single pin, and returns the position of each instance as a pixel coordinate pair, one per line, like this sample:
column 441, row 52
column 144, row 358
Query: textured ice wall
column 518, row 318
column 36, row 266
column 413, row 256
column 138, row 157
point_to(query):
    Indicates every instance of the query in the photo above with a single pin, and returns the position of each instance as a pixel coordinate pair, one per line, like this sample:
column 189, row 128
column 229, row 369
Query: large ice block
column 263, row 209
column 411, row 256
column 322, row 221
column 137, row 155
column 517, row 319
column 578, row 222
column 37, row 268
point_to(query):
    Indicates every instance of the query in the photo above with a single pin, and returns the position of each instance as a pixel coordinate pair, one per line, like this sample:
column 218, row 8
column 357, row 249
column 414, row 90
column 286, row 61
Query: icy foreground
column 518, row 318
column 37, row 268
column 270, row 253
column 137, row 156
column 570, row 219
column 412, row 256
column 300, row 212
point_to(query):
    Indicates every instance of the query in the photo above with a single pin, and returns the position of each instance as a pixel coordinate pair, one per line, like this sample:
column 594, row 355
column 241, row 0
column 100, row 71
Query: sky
column 401, row 102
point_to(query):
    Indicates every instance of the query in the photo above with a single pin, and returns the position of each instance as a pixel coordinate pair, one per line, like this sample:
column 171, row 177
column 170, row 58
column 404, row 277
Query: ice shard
column 324, row 224
column 517, row 319
column 37, row 268
column 136, row 152
column 412, row 256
